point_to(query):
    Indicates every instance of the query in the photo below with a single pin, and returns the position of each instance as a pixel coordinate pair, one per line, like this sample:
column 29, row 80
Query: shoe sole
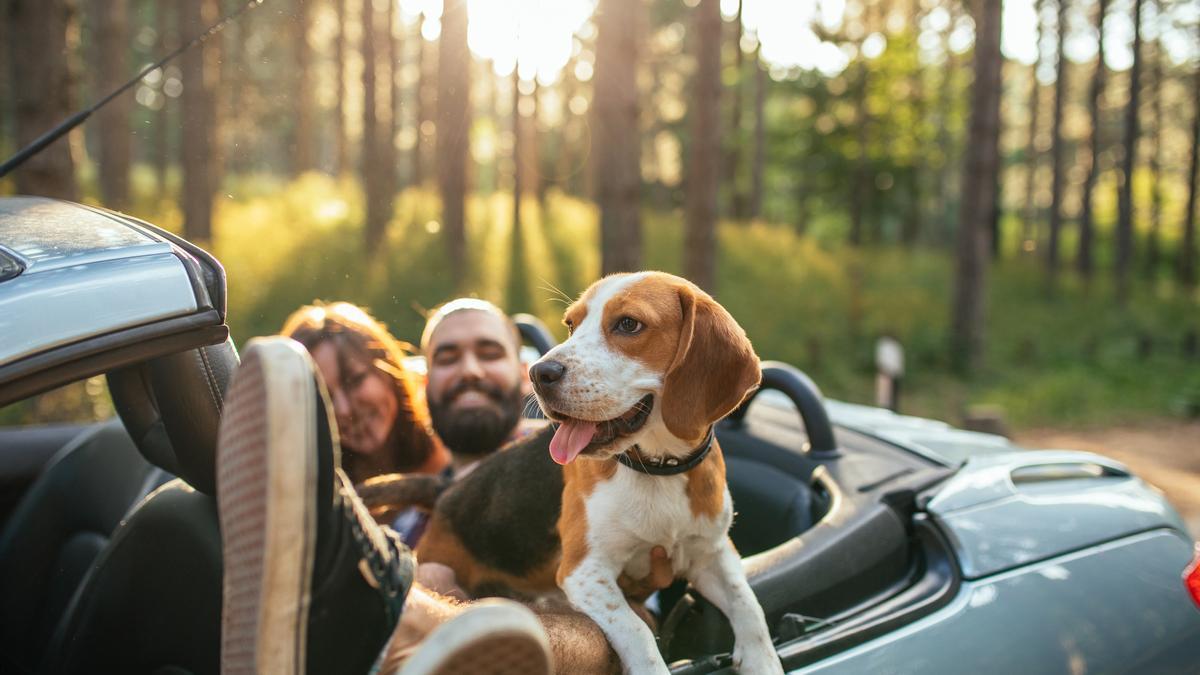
column 266, row 494
column 491, row 638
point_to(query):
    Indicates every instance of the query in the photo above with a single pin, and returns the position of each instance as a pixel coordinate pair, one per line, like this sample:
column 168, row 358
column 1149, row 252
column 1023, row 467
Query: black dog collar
column 667, row 466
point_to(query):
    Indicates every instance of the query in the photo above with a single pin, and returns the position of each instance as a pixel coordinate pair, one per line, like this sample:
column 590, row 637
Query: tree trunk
column 700, row 198
column 1029, row 234
column 162, row 126
column 517, row 286
column 453, row 132
column 395, row 65
column 423, row 107
column 1156, row 193
column 945, row 136
column 303, row 140
column 42, row 86
column 979, row 183
column 374, row 184
column 733, row 155
column 8, row 112
column 341, row 150
column 948, row 173
column 199, row 68
column 861, row 180
column 997, row 211
column 760, row 124
column 232, row 98
column 859, row 189
column 911, row 228
column 525, row 115
column 540, row 173
column 110, row 56
column 565, row 168
column 518, row 163
column 1083, row 258
column 1056, row 151
column 389, row 97
column 488, row 179
column 1187, row 254
column 1125, row 186
column 616, row 141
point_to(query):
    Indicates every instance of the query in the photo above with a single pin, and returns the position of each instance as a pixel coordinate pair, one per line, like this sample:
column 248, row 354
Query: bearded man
column 477, row 384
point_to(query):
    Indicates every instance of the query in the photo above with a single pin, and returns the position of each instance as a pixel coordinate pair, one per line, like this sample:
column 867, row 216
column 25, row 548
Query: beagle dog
column 651, row 364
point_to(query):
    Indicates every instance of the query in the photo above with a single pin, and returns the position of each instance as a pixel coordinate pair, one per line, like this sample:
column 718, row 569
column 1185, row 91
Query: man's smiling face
column 475, row 378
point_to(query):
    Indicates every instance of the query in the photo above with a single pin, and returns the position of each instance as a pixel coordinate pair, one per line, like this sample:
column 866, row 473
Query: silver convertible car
column 876, row 543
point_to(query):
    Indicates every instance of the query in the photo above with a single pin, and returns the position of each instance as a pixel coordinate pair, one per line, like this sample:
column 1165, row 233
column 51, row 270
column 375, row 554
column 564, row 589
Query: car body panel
column 931, row 439
column 86, row 290
column 1116, row 607
column 1004, row 511
column 48, row 234
column 41, row 310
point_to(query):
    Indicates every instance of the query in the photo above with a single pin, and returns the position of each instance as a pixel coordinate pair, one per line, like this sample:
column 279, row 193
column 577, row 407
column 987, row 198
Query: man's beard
column 480, row 430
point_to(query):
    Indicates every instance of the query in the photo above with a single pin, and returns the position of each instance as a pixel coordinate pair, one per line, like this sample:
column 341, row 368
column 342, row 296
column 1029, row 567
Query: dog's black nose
column 546, row 373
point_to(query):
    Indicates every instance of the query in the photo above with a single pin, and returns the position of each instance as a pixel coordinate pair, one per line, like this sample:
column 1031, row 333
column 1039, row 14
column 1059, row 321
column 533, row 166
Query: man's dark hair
column 439, row 314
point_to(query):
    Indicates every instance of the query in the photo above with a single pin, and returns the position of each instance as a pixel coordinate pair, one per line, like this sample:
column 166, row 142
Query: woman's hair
column 357, row 336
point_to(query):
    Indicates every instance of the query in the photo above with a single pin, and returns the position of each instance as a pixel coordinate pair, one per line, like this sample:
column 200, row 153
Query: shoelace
column 387, row 558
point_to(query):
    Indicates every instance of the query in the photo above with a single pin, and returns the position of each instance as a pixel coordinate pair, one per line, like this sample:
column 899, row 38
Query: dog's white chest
column 632, row 512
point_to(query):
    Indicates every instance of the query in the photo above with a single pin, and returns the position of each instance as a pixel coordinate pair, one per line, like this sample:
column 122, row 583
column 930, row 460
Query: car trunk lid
column 1002, row 511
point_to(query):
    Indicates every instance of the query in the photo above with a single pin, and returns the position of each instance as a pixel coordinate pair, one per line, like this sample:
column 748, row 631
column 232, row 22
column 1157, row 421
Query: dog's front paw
column 761, row 660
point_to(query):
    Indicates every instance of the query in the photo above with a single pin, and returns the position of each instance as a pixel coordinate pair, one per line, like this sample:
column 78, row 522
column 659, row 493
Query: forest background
column 1007, row 189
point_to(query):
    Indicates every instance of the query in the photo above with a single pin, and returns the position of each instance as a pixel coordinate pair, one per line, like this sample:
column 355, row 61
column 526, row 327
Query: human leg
column 311, row 582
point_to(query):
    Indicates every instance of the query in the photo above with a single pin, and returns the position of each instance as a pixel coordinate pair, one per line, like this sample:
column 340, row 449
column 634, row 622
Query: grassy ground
column 1074, row 359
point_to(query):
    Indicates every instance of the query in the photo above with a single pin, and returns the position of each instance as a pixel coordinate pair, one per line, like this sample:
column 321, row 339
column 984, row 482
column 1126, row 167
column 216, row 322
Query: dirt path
column 1165, row 453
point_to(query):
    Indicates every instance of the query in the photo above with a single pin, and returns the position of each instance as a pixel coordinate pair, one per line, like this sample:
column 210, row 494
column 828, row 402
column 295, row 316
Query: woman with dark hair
column 381, row 417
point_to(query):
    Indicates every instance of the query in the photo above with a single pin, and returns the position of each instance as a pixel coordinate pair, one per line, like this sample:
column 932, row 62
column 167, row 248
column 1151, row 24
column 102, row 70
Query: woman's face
column 364, row 399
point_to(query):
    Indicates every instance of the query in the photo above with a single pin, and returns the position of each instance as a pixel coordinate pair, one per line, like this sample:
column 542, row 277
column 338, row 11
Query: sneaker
column 311, row 582
column 491, row 637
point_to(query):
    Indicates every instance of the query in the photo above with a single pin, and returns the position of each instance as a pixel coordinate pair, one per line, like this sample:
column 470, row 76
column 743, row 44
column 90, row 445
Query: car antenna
column 78, row 118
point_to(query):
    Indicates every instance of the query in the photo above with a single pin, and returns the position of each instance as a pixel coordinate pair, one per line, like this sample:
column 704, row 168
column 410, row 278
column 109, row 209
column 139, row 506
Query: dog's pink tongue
column 570, row 439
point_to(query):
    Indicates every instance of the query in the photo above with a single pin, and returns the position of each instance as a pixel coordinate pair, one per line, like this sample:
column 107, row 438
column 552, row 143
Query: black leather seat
column 771, row 488
column 152, row 602
column 58, row 529
column 772, row 506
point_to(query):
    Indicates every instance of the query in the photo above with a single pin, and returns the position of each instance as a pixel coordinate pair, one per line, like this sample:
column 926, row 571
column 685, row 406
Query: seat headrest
column 171, row 406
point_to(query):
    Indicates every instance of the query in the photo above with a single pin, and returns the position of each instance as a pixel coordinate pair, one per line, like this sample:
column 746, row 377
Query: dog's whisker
column 555, row 289
column 531, row 406
column 566, row 302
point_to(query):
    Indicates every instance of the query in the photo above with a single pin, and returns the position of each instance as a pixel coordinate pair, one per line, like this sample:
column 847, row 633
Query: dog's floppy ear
column 714, row 368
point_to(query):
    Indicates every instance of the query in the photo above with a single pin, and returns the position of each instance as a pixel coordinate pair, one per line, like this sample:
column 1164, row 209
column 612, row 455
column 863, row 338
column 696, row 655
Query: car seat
column 152, row 601
column 61, row 524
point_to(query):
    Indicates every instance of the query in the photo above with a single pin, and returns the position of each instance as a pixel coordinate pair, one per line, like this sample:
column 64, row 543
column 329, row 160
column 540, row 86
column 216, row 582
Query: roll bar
column 807, row 398
column 535, row 332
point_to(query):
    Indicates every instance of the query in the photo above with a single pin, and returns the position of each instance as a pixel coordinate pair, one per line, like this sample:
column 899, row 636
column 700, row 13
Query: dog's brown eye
column 628, row 325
